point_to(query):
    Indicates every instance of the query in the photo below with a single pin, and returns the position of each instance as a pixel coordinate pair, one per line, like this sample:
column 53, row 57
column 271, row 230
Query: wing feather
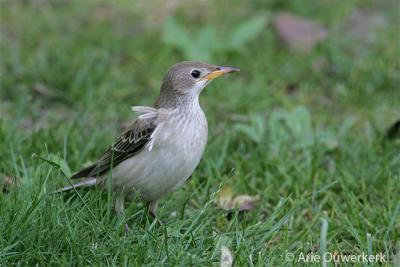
column 131, row 142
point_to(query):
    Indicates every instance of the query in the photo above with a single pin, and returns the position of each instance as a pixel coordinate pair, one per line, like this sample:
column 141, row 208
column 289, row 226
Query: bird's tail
column 84, row 183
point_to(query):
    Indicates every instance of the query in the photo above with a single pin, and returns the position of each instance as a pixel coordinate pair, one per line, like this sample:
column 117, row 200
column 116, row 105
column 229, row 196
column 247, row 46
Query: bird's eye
column 195, row 73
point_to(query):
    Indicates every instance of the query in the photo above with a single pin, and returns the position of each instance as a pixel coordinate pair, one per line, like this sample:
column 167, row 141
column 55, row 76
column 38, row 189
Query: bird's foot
column 153, row 211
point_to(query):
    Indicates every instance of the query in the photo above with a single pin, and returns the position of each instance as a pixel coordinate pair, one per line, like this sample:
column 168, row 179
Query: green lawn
column 306, row 132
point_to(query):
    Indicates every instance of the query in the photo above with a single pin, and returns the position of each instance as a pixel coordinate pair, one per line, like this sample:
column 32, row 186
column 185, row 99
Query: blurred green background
column 293, row 122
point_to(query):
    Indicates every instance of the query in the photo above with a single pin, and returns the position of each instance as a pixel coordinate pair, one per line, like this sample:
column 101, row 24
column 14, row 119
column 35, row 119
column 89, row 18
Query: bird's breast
column 185, row 134
column 176, row 148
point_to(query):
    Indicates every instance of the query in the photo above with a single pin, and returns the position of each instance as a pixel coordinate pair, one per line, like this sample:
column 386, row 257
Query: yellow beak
column 219, row 71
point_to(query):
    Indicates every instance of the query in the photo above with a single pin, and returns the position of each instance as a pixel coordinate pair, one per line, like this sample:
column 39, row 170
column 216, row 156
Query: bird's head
column 190, row 77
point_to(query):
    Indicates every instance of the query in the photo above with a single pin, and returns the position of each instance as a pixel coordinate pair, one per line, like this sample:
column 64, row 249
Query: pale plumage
column 160, row 150
column 169, row 158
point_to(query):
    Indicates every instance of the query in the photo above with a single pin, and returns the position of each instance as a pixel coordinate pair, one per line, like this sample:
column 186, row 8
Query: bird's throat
column 170, row 100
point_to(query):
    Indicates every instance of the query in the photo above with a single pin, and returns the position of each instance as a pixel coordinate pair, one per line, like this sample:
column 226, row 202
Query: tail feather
column 84, row 183
column 85, row 172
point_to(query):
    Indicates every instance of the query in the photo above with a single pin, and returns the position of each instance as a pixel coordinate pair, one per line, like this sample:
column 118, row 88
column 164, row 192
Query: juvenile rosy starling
column 161, row 148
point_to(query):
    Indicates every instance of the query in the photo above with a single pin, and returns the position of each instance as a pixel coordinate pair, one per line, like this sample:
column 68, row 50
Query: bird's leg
column 120, row 209
column 153, row 211
column 153, row 208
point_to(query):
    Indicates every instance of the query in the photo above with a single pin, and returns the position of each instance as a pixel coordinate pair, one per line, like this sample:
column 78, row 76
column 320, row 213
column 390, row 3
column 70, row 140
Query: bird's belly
column 158, row 171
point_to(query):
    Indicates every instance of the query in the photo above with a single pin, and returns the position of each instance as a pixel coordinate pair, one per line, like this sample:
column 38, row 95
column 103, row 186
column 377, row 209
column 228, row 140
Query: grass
column 305, row 132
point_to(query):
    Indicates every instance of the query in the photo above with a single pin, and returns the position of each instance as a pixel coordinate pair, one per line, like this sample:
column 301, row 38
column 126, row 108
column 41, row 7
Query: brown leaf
column 226, row 257
column 226, row 201
column 9, row 181
column 299, row 34
column 245, row 202
column 224, row 198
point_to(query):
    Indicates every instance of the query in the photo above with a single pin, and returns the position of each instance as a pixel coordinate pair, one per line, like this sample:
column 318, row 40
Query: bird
column 162, row 147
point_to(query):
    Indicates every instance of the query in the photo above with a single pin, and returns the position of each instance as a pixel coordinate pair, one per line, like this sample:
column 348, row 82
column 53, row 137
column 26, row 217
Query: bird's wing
column 131, row 142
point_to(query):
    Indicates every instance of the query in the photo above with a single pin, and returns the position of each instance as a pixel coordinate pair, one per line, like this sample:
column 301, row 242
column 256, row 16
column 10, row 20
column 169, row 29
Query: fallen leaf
column 226, row 257
column 224, row 198
column 226, row 201
column 245, row 202
column 308, row 215
column 9, row 181
column 299, row 34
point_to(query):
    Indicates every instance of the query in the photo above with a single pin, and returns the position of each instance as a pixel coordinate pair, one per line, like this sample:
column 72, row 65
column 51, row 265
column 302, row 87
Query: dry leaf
column 299, row 34
column 10, row 181
column 245, row 202
column 226, row 257
column 225, row 200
